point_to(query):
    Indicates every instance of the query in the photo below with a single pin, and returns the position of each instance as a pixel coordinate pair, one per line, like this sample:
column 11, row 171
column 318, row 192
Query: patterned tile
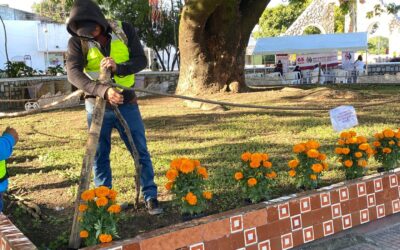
column 361, row 189
column 346, row 220
column 265, row 245
column 325, row 199
column 308, row 234
column 336, row 211
column 296, row 222
column 380, row 211
column 371, row 200
column 328, row 227
column 305, row 205
column 198, row 246
column 236, row 223
column 250, row 236
column 284, row 211
column 364, row 216
column 378, row 186
column 396, row 206
column 393, row 181
column 344, row 194
column 287, row 241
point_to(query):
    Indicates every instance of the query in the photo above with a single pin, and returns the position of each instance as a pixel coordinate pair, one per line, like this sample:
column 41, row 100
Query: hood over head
column 84, row 16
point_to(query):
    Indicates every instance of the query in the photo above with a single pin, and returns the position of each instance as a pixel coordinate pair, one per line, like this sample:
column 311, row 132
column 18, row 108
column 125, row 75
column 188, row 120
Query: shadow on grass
column 33, row 170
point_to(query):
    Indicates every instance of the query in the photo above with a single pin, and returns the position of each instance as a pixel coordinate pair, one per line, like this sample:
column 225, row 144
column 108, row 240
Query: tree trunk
column 213, row 37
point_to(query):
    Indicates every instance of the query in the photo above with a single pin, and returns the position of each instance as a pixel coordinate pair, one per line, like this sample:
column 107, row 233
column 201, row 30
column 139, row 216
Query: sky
column 27, row 4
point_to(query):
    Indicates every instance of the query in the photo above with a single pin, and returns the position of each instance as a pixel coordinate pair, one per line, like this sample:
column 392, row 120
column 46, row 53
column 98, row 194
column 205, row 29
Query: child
column 7, row 142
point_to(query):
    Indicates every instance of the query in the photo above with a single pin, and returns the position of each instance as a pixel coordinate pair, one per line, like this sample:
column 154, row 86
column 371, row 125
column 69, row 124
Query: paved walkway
column 383, row 234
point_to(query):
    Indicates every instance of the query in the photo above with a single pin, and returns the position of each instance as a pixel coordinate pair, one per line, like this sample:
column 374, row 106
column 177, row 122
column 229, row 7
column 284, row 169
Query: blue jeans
column 102, row 169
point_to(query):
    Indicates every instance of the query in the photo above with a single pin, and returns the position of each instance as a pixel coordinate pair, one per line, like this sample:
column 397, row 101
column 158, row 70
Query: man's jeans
column 102, row 170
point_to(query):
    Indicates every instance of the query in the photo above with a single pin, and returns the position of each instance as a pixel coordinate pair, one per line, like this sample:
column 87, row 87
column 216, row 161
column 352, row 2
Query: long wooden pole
column 88, row 160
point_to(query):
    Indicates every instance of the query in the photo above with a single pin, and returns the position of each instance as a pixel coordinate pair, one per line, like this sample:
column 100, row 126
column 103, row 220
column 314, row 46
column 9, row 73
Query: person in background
column 7, row 143
column 154, row 65
column 279, row 67
column 358, row 68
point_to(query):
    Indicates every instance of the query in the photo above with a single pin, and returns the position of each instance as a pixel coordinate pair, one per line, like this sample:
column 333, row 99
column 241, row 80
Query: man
column 155, row 66
column 88, row 27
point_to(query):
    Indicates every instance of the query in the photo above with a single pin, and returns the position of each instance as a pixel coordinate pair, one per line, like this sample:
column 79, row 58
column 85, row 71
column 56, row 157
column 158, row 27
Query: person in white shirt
column 358, row 67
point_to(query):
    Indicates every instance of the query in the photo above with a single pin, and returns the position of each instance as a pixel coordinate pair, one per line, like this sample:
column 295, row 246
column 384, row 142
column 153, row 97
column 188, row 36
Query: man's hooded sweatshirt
column 86, row 10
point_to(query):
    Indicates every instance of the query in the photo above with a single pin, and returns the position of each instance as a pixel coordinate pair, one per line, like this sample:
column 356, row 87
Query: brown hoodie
column 87, row 10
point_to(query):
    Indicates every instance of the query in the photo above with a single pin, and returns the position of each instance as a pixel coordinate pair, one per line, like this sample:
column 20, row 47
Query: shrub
column 99, row 215
column 308, row 165
column 387, row 148
column 255, row 176
column 186, row 180
column 353, row 152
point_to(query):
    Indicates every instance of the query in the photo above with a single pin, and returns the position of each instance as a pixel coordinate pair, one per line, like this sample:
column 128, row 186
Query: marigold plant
column 186, row 180
column 308, row 165
column 353, row 152
column 255, row 176
column 387, row 148
column 99, row 215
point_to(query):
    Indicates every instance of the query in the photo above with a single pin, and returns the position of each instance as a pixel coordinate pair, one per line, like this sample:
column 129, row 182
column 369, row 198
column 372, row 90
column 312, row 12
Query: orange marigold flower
column 255, row 164
column 272, row 175
column 88, row 195
column 352, row 133
column 83, row 234
column 341, row 142
column 345, row 151
column 207, row 195
column 313, row 177
column 378, row 136
column 256, row 157
column 388, row 133
column 105, row 238
column 298, row 148
column 370, row 151
column 114, row 209
column 196, row 163
column 292, row 173
column 345, row 135
column 238, row 176
column 168, row 186
column 352, row 140
column 325, row 165
column 322, row 157
column 358, row 154
column 246, row 156
column 102, row 191
column 191, row 198
column 83, row 208
column 267, row 164
column 397, row 135
column 317, row 168
column 392, row 142
column 312, row 153
column 386, row 150
column 338, row 151
column 113, row 194
column 348, row 163
column 102, row 201
column 203, row 172
column 364, row 146
column 361, row 139
column 362, row 163
column 377, row 144
column 311, row 144
column 176, row 163
column 172, row 174
column 187, row 166
column 265, row 157
column 252, row 182
column 293, row 163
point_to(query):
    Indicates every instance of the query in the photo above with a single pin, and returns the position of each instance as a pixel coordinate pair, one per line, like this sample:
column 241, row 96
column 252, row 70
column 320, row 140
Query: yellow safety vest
column 3, row 170
column 119, row 52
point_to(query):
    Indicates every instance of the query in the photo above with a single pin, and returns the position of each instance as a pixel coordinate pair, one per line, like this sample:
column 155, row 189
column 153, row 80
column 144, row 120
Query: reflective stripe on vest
column 120, row 54
column 3, row 170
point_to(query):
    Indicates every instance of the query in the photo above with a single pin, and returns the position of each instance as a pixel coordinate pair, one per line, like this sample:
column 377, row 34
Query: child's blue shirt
column 6, row 147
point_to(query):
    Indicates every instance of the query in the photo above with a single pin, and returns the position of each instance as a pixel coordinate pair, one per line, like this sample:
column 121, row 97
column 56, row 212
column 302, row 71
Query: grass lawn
column 46, row 163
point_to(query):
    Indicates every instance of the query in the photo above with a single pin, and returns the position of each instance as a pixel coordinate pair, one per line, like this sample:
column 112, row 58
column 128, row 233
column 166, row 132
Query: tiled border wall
column 11, row 238
column 281, row 223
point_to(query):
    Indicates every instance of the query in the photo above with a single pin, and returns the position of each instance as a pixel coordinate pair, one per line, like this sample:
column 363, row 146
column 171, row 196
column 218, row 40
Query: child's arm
column 7, row 142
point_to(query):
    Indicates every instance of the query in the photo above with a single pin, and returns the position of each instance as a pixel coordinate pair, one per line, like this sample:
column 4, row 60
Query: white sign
column 343, row 117
column 312, row 59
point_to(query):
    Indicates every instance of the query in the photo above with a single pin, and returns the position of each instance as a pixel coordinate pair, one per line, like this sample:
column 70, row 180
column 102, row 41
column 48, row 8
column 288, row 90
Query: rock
column 234, row 87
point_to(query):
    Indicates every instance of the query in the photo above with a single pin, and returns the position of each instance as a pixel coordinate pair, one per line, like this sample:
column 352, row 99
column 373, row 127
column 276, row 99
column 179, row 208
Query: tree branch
column 251, row 11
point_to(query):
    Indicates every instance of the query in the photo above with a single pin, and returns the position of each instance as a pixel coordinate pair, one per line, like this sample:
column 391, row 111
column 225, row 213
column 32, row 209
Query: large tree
column 213, row 36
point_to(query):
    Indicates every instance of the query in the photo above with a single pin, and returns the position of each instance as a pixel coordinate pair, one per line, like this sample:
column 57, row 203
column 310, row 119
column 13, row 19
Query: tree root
column 28, row 206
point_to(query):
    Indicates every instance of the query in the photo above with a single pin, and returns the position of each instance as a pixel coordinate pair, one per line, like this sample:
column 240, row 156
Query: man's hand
column 114, row 97
column 13, row 133
column 108, row 63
